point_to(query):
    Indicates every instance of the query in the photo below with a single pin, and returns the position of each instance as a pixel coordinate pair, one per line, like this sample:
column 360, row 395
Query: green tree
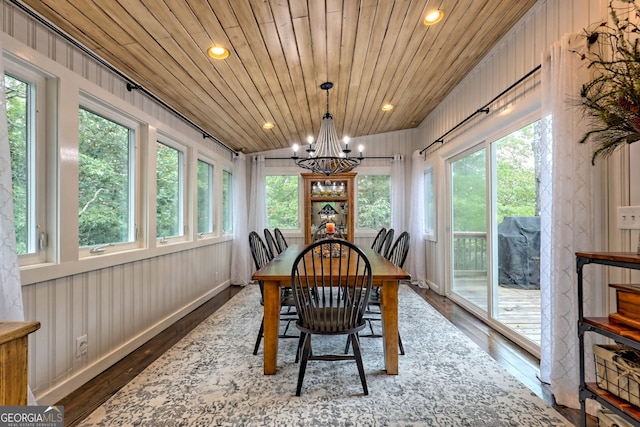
column 17, row 117
column 103, row 179
column 374, row 201
column 205, row 196
column 469, row 193
column 516, row 174
column 282, row 201
column 517, row 184
column 167, row 191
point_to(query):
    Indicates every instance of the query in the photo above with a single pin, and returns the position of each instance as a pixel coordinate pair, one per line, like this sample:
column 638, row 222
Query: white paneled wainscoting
column 118, row 308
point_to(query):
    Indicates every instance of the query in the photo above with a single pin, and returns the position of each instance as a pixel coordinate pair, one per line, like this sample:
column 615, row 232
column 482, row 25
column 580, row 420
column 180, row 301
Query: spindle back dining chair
column 270, row 241
column 280, row 240
column 261, row 256
column 397, row 255
column 388, row 241
column 331, row 281
column 378, row 241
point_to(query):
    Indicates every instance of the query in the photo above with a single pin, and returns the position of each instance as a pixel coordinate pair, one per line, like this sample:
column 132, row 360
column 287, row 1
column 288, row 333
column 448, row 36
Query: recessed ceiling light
column 218, row 52
column 387, row 107
column 433, row 17
column 268, row 125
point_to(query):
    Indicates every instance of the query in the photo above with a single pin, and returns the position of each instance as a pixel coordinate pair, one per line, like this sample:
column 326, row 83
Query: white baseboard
column 435, row 288
column 55, row 394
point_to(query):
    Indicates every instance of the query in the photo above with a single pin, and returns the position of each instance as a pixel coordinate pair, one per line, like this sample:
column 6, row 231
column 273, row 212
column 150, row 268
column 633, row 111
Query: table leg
column 389, row 307
column 271, row 324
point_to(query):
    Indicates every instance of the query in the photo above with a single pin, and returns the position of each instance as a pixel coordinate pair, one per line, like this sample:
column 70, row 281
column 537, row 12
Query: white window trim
column 380, row 170
column 430, row 234
column 39, row 163
column 200, row 157
column 289, row 171
column 94, row 105
column 185, row 211
column 62, row 254
column 220, row 214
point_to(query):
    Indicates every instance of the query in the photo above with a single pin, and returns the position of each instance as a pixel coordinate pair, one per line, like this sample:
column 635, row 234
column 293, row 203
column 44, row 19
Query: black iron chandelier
column 328, row 157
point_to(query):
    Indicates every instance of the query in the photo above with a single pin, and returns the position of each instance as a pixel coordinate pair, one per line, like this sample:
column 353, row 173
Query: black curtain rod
column 130, row 82
column 292, row 158
column 483, row 109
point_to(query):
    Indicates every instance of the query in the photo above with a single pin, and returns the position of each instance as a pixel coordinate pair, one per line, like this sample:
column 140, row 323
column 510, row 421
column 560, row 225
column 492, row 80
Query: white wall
column 118, row 300
column 519, row 52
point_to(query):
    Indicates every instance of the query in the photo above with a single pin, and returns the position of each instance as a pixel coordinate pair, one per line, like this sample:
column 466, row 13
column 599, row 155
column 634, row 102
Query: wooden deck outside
column 518, row 309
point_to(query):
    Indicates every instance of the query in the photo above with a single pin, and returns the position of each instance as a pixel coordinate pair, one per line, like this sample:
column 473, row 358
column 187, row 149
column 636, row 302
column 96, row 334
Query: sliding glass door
column 495, row 233
column 516, row 235
column 469, row 228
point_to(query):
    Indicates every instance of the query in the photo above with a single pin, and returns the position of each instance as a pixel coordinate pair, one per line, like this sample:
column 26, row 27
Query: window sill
column 35, row 273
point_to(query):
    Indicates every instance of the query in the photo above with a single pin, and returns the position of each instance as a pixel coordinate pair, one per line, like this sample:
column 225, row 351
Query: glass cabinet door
column 328, row 200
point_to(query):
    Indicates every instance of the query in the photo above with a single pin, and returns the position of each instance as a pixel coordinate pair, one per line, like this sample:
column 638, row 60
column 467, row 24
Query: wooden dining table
column 277, row 274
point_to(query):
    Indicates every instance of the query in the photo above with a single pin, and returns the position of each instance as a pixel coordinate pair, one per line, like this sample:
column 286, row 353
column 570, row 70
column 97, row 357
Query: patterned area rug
column 211, row 377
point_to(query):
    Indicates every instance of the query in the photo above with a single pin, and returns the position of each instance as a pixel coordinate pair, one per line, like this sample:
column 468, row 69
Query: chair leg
column 306, row 349
column 400, row 344
column 300, row 344
column 371, row 327
column 346, row 347
column 356, row 352
column 255, row 349
column 286, row 328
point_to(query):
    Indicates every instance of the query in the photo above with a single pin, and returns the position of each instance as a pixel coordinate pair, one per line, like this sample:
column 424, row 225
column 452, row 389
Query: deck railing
column 470, row 252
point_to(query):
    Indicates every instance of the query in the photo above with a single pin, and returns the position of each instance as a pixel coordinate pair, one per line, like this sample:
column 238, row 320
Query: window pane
column 205, row 197
column 516, row 232
column 105, row 197
column 429, row 202
column 227, row 200
column 469, row 211
column 516, row 174
column 21, row 142
column 282, row 202
column 374, row 201
column 168, row 191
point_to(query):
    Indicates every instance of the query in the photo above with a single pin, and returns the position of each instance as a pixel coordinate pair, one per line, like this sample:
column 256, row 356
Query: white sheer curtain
column 570, row 213
column 11, row 307
column 416, row 262
column 258, row 199
column 398, row 185
column 240, row 256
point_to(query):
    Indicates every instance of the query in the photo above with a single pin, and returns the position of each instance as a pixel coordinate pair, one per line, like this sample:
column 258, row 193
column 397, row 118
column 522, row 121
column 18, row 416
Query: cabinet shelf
column 613, row 401
column 340, row 201
column 617, row 329
column 329, row 199
column 607, row 327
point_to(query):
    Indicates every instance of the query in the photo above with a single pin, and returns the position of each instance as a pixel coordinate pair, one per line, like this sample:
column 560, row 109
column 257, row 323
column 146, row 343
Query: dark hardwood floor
column 519, row 363
column 86, row 399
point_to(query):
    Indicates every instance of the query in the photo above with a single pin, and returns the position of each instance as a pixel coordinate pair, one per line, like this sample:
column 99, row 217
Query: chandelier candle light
column 328, row 157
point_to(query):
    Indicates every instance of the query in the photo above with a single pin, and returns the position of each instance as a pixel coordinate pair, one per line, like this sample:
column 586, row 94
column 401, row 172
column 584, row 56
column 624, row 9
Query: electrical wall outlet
column 82, row 346
column 629, row 217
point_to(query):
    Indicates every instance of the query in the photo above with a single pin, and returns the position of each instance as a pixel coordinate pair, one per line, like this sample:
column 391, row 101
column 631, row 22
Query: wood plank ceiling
column 374, row 51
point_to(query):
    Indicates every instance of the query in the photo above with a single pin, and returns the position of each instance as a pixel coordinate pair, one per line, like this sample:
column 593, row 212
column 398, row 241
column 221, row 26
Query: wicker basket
column 615, row 374
column 607, row 418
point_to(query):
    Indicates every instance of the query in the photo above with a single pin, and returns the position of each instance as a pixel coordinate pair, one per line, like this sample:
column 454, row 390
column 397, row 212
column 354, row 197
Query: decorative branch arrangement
column 612, row 98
